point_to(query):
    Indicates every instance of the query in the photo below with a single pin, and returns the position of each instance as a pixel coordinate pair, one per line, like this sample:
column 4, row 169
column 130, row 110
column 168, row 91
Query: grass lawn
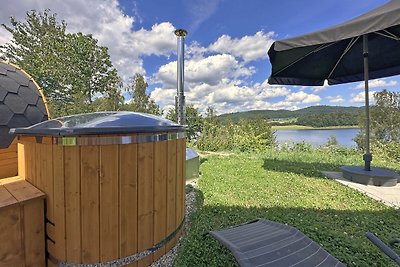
column 287, row 187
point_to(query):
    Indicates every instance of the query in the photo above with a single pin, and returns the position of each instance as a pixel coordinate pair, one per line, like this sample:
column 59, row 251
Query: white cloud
column 210, row 70
column 107, row 22
column 317, row 89
column 302, row 97
column 164, row 96
column 269, row 91
column 360, row 97
column 377, row 83
column 335, row 99
column 215, row 75
column 248, row 47
column 226, row 96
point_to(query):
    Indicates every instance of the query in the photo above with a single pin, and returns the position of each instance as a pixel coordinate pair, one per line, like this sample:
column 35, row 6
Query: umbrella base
column 376, row 176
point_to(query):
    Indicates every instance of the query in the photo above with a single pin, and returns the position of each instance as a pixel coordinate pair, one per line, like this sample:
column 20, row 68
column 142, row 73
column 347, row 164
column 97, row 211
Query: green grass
column 287, row 187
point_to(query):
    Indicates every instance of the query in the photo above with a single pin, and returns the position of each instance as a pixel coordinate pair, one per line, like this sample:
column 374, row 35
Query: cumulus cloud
column 216, row 75
column 218, row 80
column 107, row 22
column 377, row 83
column 210, row 70
column 302, row 97
column 360, row 97
column 227, row 96
column 248, row 48
column 335, row 99
column 266, row 91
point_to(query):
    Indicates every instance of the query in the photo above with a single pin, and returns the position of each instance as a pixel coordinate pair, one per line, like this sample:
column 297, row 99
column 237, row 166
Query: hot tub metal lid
column 101, row 123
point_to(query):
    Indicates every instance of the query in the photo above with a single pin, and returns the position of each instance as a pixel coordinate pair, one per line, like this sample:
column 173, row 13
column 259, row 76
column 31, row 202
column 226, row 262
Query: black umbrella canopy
column 365, row 47
column 336, row 54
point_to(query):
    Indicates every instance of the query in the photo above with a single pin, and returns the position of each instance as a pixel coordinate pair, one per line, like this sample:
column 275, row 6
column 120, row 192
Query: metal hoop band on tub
column 96, row 140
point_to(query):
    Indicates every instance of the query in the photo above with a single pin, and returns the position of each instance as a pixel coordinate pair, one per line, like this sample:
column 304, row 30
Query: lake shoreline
column 302, row 127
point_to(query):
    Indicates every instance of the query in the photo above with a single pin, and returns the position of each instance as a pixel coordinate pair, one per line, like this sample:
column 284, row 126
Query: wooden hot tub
column 114, row 185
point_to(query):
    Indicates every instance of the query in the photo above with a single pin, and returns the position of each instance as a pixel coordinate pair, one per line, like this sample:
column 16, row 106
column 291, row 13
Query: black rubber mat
column 267, row 243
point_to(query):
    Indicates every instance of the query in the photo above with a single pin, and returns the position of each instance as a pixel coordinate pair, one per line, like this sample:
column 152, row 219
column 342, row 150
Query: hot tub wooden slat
column 30, row 159
column 72, row 204
column 160, row 194
column 109, row 222
column 171, row 191
column 90, row 203
column 180, row 151
column 145, row 198
column 128, row 200
column 45, row 176
column 59, row 202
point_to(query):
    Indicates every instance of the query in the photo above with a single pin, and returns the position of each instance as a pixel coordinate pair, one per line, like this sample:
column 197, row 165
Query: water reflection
column 318, row 137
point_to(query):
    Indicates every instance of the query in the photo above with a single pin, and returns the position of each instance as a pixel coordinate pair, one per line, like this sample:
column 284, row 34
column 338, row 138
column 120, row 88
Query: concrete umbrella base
column 376, row 176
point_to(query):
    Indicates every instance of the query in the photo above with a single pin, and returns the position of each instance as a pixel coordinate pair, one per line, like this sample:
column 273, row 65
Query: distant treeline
column 315, row 116
column 328, row 119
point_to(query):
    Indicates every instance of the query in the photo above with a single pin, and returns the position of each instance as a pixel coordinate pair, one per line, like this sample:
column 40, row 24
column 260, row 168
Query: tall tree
column 384, row 119
column 141, row 102
column 385, row 116
column 70, row 67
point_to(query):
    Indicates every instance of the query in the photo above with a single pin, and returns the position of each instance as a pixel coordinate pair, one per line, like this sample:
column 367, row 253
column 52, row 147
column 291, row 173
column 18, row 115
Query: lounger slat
column 264, row 243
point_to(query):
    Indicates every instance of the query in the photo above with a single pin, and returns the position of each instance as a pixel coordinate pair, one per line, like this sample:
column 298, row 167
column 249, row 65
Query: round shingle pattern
column 21, row 103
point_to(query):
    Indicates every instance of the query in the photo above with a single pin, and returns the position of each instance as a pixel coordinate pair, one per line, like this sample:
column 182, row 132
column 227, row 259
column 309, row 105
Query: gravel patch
column 168, row 259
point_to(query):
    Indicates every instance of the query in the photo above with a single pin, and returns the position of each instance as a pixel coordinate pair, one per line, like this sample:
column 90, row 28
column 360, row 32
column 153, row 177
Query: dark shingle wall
column 21, row 103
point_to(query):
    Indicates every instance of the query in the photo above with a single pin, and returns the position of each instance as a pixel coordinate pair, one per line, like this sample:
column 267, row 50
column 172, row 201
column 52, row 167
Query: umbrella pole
column 367, row 156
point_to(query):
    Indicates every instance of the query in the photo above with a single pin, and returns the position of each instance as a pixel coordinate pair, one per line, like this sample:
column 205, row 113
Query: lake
column 317, row 137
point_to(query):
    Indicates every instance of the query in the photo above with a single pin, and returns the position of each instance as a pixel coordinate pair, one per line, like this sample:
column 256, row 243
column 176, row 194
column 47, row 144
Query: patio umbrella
column 365, row 47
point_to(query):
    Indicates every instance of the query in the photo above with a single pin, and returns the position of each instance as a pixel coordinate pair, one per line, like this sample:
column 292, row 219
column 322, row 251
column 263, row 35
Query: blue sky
column 226, row 48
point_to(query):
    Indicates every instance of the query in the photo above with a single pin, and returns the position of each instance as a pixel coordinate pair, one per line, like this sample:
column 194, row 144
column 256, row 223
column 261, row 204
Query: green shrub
column 244, row 136
column 389, row 151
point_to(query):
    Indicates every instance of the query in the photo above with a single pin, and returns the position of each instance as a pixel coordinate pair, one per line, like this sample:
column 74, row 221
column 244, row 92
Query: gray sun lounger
column 267, row 243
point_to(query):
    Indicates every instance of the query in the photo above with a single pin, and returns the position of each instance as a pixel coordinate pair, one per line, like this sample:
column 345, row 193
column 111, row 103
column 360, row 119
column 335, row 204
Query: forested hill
column 316, row 116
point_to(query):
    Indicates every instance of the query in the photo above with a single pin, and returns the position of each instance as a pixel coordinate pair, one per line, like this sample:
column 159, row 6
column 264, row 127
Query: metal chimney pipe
column 180, row 97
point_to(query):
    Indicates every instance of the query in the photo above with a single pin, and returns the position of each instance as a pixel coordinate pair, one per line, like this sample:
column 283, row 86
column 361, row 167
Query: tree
column 194, row 121
column 332, row 141
column 384, row 119
column 141, row 102
column 112, row 100
column 337, row 118
column 385, row 116
column 171, row 115
column 70, row 67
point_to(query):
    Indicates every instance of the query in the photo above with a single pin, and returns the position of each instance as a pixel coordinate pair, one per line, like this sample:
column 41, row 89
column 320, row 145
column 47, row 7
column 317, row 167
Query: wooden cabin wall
column 9, row 161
